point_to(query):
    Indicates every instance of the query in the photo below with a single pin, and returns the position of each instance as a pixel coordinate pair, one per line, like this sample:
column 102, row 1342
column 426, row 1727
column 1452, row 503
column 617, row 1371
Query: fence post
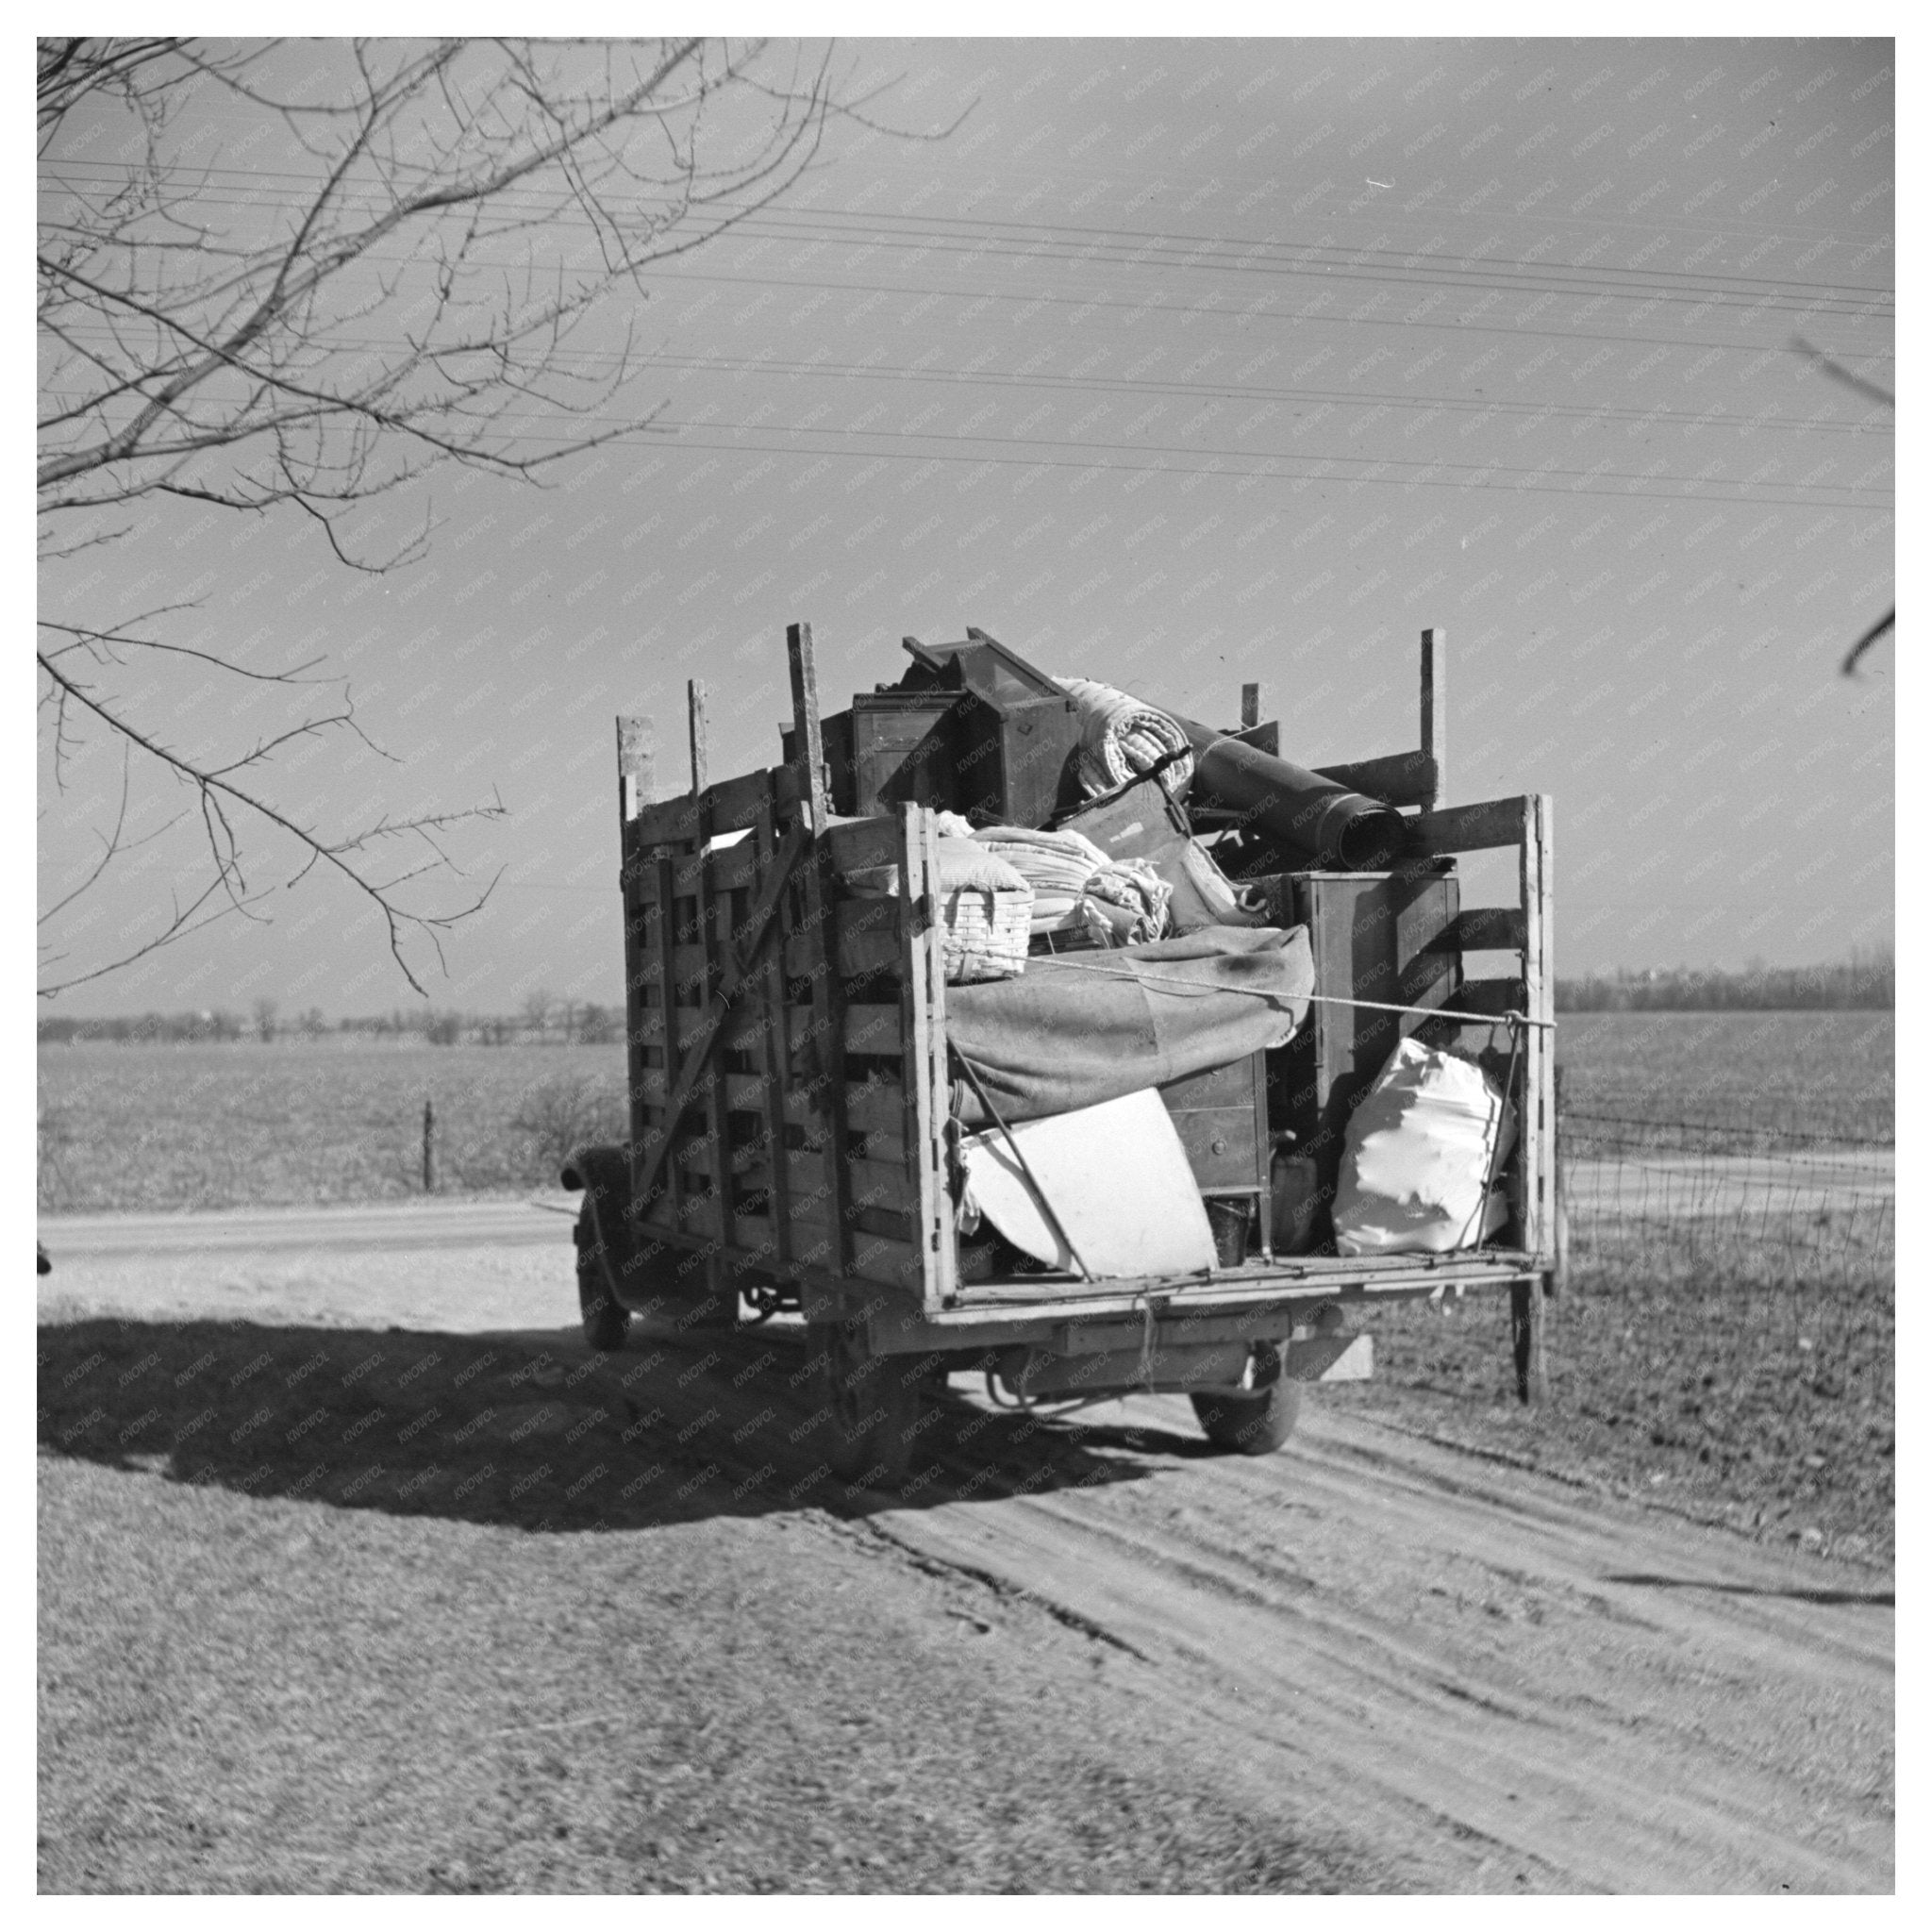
column 1526, row 1339
column 428, row 1147
column 1559, row 1211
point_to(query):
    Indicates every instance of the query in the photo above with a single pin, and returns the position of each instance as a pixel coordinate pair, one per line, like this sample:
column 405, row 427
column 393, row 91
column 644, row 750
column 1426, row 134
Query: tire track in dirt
column 1500, row 1679
column 1631, row 1738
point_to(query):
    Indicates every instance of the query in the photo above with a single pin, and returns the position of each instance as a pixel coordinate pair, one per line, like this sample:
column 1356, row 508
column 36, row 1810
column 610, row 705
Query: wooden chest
column 1222, row 1117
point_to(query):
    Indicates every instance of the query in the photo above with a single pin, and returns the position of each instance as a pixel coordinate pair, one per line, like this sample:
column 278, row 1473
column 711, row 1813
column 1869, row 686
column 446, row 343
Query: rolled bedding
column 1121, row 738
column 1076, row 887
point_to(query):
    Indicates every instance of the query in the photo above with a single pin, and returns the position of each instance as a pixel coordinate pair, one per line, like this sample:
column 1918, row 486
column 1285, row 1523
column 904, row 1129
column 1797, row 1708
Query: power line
column 589, row 422
column 1253, row 312
column 592, row 363
column 1688, row 495
column 926, row 223
column 1184, row 450
column 1844, row 302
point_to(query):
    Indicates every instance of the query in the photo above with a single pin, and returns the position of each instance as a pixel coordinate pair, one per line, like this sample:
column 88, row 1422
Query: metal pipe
column 1309, row 813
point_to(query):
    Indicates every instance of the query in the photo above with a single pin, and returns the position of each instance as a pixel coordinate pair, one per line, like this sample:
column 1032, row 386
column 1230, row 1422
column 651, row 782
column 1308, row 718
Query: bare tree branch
column 1872, row 392
column 403, row 291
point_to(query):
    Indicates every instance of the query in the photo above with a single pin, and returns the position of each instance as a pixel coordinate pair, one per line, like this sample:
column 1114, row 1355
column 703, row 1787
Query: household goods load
column 1081, row 1028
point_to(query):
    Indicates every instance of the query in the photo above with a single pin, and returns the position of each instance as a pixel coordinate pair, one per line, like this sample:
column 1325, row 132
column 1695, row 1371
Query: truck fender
column 634, row 1269
column 603, row 1173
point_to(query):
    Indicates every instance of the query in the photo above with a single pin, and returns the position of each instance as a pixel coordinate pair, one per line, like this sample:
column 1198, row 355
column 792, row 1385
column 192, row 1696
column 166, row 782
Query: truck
column 794, row 1139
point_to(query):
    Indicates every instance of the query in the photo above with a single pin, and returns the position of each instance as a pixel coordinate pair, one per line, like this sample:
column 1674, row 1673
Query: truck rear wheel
column 873, row 1402
column 1251, row 1422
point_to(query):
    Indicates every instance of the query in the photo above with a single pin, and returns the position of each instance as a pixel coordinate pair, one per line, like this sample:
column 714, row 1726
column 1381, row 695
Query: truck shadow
column 528, row 1430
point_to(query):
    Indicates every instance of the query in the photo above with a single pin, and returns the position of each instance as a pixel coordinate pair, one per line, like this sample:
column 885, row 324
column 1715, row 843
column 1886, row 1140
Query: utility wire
column 1688, row 495
column 591, row 364
column 910, row 229
column 1252, row 314
column 1842, row 304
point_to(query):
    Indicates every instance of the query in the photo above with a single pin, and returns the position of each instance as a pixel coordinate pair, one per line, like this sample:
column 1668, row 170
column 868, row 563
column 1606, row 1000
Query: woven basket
column 985, row 933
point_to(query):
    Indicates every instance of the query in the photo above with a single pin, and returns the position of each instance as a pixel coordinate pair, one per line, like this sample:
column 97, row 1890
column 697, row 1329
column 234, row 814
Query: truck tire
column 605, row 1322
column 1251, row 1422
column 674, row 1298
column 872, row 1403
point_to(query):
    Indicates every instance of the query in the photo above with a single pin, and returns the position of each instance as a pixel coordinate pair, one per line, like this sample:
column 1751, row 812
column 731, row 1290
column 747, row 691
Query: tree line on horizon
column 1861, row 986
column 543, row 1021
column 546, row 1021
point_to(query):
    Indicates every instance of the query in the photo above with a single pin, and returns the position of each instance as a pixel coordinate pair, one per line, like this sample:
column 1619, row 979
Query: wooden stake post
column 1435, row 717
column 716, row 940
column 828, row 1022
column 635, row 743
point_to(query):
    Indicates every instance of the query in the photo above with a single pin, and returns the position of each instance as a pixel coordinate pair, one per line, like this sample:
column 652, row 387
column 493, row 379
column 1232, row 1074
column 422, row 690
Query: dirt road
column 1471, row 1677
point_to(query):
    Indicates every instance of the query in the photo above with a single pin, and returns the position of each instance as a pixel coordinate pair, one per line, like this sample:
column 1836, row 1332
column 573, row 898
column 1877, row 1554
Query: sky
column 1176, row 365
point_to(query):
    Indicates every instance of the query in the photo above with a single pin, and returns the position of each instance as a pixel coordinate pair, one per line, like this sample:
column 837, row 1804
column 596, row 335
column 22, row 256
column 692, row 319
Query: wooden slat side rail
column 873, row 1258
column 865, row 936
column 673, row 822
column 1492, row 997
column 1485, row 827
column 868, row 938
column 789, row 786
column 688, row 964
column 734, row 804
column 881, row 1184
column 1403, row 778
column 870, row 1028
column 923, row 1006
column 870, row 1257
column 873, row 1107
column 816, row 805
column 761, row 925
column 1485, row 929
column 856, row 918
column 860, row 844
column 742, row 1032
column 858, row 956
column 875, row 1029
column 731, row 869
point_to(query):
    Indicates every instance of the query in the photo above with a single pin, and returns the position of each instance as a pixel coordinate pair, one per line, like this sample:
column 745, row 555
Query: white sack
column 1417, row 1158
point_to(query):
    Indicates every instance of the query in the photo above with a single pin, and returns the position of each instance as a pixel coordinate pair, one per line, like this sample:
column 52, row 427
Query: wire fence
column 1794, row 1232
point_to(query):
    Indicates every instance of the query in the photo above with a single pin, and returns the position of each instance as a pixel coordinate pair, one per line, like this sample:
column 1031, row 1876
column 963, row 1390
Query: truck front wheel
column 606, row 1320
column 1256, row 1420
column 872, row 1403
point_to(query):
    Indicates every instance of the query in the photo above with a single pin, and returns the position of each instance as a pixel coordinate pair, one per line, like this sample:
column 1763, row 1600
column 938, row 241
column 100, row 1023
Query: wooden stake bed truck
column 792, row 1142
